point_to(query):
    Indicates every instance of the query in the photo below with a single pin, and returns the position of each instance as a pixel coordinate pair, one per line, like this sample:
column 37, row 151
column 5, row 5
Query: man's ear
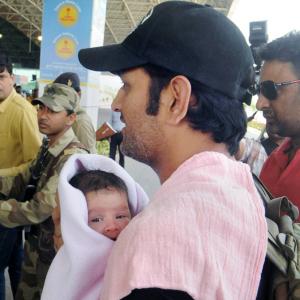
column 13, row 80
column 13, row 77
column 180, row 93
column 71, row 119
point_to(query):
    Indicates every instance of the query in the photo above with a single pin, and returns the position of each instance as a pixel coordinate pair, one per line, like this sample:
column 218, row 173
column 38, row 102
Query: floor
column 8, row 290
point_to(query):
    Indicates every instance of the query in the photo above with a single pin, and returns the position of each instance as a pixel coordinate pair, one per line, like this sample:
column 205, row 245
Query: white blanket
column 77, row 270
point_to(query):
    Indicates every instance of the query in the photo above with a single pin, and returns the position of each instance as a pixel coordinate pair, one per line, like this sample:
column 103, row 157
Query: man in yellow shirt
column 19, row 143
column 19, row 134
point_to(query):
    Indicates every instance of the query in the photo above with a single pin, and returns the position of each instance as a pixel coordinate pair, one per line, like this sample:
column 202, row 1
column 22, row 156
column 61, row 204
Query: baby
column 107, row 201
column 97, row 200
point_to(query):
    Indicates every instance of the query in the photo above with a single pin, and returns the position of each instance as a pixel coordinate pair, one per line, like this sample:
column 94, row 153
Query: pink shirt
column 203, row 233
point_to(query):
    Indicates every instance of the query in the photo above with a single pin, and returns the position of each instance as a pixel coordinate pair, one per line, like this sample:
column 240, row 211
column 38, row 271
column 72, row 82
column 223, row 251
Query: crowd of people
column 90, row 230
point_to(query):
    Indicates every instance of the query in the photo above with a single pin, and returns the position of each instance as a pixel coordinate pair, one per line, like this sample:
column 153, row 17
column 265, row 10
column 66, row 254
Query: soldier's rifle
column 36, row 171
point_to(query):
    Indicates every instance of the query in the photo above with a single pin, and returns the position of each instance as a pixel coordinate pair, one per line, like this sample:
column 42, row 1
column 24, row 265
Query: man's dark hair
column 70, row 79
column 284, row 49
column 212, row 112
column 69, row 112
column 18, row 89
column 5, row 63
column 94, row 180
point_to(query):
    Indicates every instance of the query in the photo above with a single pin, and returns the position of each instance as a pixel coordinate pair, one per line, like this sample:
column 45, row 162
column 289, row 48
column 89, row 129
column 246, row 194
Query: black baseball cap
column 187, row 38
column 69, row 78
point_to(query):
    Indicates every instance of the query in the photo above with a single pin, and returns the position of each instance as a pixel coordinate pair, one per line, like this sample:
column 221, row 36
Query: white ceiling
column 121, row 17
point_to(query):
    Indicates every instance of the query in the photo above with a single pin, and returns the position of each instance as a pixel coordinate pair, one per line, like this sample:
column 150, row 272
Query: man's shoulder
column 60, row 156
column 82, row 115
column 19, row 100
column 75, row 147
column 281, row 152
column 68, row 139
column 22, row 104
column 207, row 173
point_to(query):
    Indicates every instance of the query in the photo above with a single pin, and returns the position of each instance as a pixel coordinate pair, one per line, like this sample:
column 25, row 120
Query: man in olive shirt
column 83, row 126
column 19, row 143
column 56, row 115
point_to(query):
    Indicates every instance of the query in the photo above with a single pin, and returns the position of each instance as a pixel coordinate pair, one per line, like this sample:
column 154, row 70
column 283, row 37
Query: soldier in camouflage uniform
column 56, row 114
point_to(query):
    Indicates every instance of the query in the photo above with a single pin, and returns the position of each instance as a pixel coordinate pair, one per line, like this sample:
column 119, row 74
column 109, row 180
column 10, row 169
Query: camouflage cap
column 58, row 97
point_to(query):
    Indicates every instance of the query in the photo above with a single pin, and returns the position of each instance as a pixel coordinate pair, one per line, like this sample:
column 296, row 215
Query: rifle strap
column 74, row 145
column 49, row 162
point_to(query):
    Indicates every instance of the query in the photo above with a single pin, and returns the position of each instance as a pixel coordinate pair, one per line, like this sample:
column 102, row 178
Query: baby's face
column 108, row 211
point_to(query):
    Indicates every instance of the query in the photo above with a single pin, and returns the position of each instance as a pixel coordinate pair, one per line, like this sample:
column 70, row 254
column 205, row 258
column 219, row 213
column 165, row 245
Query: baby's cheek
column 124, row 224
column 96, row 226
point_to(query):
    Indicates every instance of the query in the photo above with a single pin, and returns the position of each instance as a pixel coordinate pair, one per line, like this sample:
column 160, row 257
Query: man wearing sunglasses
column 279, row 99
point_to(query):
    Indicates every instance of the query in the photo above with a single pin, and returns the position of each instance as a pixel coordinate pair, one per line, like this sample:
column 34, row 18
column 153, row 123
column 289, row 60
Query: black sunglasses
column 269, row 88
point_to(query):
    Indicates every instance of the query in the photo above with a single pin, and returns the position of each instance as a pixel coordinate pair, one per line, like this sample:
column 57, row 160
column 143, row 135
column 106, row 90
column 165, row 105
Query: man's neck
column 2, row 100
column 53, row 139
column 296, row 143
column 177, row 154
column 292, row 149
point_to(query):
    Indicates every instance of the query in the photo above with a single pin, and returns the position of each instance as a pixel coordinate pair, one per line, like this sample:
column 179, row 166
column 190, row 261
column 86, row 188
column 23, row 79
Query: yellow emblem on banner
column 65, row 47
column 68, row 15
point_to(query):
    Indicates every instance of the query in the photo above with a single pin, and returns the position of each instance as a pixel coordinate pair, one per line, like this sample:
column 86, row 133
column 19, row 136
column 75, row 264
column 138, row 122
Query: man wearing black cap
column 38, row 184
column 185, row 70
column 82, row 127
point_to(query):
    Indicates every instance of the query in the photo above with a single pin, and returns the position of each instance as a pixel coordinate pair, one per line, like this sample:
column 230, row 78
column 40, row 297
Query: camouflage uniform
column 84, row 130
column 39, row 248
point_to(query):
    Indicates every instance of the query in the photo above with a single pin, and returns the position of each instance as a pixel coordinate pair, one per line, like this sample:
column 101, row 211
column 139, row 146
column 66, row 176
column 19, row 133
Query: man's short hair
column 284, row 49
column 94, row 180
column 212, row 112
column 69, row 78
column 5, row 63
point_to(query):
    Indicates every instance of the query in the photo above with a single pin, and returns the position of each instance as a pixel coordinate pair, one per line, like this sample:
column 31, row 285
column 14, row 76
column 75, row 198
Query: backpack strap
column 281, row 206
column 262, row 190
column 275, row 207
column 282, row 268
column 280, row 215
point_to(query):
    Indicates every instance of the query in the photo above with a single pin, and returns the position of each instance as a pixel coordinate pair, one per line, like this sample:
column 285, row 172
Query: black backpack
column 281, row 272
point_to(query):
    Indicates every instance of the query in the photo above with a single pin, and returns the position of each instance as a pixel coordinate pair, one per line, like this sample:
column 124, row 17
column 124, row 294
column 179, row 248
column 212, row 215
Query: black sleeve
column 157, row 294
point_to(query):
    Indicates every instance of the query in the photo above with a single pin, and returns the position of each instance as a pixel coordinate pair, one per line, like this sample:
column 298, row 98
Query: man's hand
column 58, row 241
column 3, row 197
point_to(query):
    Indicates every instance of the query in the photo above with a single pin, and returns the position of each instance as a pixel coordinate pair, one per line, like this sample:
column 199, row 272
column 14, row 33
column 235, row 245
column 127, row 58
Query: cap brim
column 49, row 104
column 111, row 58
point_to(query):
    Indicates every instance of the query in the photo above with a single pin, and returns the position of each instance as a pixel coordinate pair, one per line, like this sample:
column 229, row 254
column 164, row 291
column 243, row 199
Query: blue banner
column 66, row 29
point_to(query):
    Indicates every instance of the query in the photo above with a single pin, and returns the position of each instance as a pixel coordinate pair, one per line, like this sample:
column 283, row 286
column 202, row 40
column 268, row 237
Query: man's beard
column 132, row 147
